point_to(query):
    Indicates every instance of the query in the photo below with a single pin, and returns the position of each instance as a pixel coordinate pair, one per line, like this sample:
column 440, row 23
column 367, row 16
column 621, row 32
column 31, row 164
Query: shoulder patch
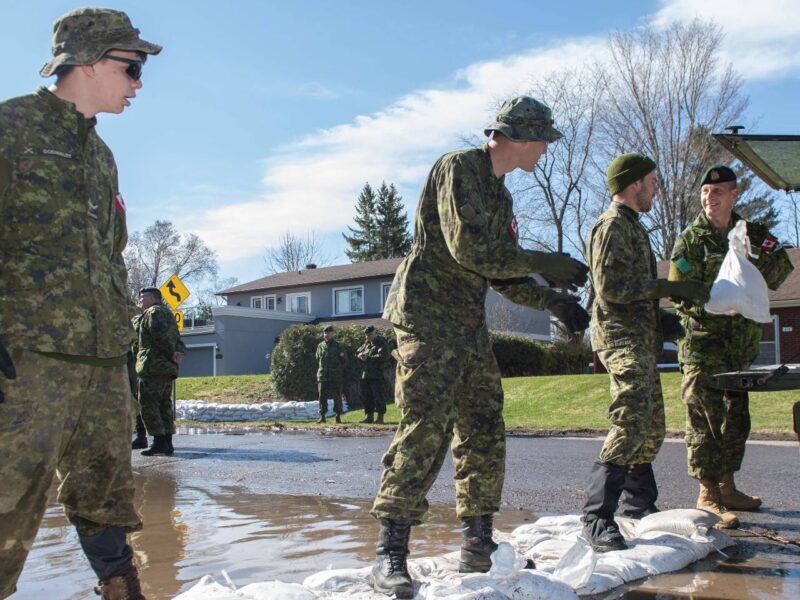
column 770, row 244
column 684, row 266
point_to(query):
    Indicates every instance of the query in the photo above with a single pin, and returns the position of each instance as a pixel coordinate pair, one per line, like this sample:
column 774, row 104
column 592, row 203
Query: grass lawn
column 555, row 403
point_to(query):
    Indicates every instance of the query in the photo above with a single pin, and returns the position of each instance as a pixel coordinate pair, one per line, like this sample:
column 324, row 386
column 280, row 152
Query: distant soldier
column 160, row 351
column 628, row 331
column 64, row 308
column 332, row 360
column 448, row 382
column 718, row 422
column 373, row 354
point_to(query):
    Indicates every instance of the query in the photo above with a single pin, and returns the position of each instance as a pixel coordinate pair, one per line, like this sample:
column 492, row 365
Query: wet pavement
column 284, row 505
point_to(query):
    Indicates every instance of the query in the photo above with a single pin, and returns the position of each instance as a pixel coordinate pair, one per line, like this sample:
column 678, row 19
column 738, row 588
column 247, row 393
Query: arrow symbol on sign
column 172, row 292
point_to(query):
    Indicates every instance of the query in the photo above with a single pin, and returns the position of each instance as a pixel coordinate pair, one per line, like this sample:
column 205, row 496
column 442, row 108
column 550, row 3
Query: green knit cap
column 627, row 169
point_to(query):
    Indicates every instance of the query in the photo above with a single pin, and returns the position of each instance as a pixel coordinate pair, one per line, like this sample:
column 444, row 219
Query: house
column 780, row 340
column 245, row 331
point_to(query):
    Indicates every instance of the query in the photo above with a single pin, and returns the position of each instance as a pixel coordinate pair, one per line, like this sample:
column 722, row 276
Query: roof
column 789, row 292
column 305, row 277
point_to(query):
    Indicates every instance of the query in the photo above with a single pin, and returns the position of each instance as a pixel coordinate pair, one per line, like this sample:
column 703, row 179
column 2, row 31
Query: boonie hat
column 84, row 35
column 524, row 119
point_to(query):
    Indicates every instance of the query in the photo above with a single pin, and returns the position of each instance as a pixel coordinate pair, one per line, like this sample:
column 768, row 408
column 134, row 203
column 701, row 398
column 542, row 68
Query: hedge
column 294, row 367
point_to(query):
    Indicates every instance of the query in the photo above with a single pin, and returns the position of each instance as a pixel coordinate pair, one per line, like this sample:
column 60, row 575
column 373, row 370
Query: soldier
column 160, row 352
column 627, row 333
column 373, row 354
column 332, row 361
column 63, row 303
column 718, row 423
column 448, row 382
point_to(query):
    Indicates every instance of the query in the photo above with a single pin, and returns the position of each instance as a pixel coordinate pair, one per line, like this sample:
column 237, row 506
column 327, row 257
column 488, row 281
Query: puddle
column 190, row 532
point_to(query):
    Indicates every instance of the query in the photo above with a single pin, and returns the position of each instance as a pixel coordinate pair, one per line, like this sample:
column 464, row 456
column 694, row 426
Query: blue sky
column 262, row 117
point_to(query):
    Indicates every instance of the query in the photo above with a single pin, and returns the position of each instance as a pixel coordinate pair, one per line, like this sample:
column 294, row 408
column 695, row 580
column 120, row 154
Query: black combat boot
column 379, row 420
column 170, row 447
column 477, row 544
column 338, row 418
column 141, row 435
column 639, row 492
column 368, row 418
column 390, row 573
column 604, row 491
column 159, row 446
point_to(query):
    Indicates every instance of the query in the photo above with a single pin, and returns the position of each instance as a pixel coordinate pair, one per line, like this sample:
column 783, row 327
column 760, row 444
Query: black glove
column 671, row 327
column 6, row 367
column 560, row 270
column 691, row 290
column 566, row 309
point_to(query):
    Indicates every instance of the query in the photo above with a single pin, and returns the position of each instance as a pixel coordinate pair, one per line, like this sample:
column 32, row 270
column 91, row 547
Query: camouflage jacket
column 623, row 274
column 698, row 254
column 332, row 361
column 465, row 235
column 158, row 340
column 377, row 353
column 63, row 283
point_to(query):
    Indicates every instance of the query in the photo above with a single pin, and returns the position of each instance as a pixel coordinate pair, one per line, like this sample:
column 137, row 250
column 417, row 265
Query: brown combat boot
column 733, row 498
column 124, row 586
column 710, row 500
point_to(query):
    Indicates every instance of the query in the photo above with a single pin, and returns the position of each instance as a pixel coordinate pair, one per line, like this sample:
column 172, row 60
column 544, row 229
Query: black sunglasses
column 134, row 70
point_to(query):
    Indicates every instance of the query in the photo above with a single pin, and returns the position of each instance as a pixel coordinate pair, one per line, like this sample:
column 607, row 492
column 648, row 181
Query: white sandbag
column 576, row 565
column 685, row 521
column 208, row 589
column 739, row 287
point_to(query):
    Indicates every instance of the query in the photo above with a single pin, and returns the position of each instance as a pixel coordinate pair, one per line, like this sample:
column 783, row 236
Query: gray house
column 245, row 331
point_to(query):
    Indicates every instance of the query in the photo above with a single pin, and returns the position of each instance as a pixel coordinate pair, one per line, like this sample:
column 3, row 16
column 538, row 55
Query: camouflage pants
column 636, row 413
column 329, row 390
column 372, row 395
column 717, row 422
column 72, row 420
column 444, row 392
column 155, row 399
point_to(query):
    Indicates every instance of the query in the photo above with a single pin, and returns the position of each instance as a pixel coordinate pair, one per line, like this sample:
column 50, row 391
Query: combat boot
column 321, row 419
column 141, row 435
column 477, row 544
column 710, row 499
column 124, row 586
column 390, row 573
column 603, row 494
column 338, row 418
column 170, row 447
column 368, row 418
column 735, row 499
column 639, row 492
column 159, row 446
column 379, row 420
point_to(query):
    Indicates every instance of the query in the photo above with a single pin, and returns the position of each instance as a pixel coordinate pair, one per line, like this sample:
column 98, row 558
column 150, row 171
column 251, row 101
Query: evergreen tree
column 393, row 239
column 362, row 239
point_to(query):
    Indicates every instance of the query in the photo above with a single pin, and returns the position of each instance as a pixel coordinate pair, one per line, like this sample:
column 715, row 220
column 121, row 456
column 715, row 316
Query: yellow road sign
column 174, row 292
column 179, row 319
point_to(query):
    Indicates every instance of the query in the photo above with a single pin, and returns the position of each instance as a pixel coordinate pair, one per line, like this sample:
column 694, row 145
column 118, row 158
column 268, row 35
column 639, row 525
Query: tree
column 392, row 238
column 293, row 253
column 667, row 93
column 158, row 252
column 362, row 239
column 206, row 298
column 756, row 202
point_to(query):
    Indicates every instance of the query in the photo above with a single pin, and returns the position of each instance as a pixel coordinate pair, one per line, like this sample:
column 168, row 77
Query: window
column 299, row 303
column 385, row 287
column 348, row 301
column 257, row 302
column 269, row 302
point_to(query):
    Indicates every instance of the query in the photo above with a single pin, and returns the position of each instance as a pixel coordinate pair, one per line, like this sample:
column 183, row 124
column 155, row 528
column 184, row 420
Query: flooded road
column 284, row 506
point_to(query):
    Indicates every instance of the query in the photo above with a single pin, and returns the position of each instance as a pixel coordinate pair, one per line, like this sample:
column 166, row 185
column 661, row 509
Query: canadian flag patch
column 770, row 244
column 119, row 204
column 512, row 228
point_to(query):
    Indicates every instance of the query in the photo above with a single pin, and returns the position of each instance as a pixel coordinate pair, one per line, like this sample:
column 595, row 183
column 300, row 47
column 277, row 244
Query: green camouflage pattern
column 63, row 282
column 636, row 412
column 84, row 35
column 332, row 361
column 329, row 390
column 373, row 395
column 718, row 423
column 523, row 119
column 74, row 421
column 158, row 339
column 377, row 353
column 448, row 395
column 465, row 234
column 698, row 254
column 155, row 400
column 623, row 274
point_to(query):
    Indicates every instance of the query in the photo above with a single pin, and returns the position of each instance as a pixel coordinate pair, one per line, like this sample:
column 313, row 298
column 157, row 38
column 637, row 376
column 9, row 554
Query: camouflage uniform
column 718, row 423
column 158, row 341
column 332, row 361
column 64, row 315
column 626, row 334
column 372, row 381
column 448, row 383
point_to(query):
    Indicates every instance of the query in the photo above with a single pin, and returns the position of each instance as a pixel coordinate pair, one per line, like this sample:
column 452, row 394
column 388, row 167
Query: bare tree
column 667, row 94
column 158, row 252
column 293, row 253
column 206, row 297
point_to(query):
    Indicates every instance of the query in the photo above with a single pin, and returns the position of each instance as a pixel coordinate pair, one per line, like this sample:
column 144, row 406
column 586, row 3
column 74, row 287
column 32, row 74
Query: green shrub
column 519, row 356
